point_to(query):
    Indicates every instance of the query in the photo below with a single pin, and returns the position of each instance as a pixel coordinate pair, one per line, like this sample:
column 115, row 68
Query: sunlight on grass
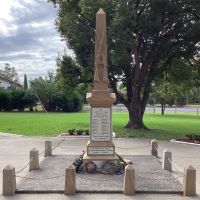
column 42, row 124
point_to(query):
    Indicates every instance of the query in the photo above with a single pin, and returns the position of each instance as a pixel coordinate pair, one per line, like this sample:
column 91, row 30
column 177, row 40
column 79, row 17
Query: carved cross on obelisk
column 101, row 69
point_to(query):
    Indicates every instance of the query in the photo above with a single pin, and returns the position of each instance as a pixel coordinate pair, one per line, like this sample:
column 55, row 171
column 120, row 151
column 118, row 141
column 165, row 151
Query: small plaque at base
column 100, row 150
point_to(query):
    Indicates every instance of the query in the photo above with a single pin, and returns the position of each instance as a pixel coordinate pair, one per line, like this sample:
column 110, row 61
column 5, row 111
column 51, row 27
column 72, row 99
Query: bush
column 4, row 100
column 87, row 132
column 18, row 99
column 15, row 99
column 79, row 131
column 68, row 102
column 71, row 131
column 193, row 137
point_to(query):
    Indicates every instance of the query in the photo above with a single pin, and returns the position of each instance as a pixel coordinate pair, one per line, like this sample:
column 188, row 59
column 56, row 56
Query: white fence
column 155, row 109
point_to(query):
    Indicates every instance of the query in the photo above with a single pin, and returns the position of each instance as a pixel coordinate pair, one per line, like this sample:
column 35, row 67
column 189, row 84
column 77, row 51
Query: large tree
column 144, row 36
column 9, row 72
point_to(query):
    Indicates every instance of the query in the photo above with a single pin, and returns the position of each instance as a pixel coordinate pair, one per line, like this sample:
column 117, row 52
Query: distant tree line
column 50, row 93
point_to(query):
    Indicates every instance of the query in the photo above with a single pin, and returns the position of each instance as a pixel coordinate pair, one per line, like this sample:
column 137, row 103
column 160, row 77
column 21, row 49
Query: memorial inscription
column 100, row 124
column 101, row 150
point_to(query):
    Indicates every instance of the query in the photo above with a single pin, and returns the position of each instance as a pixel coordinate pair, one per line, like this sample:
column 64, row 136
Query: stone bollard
column 48, row 148
column 154, row 148
column 9, row 181
column 70, row 180
column 189, row 181
column 129, row 180
column 167, row 159
column 34, row 159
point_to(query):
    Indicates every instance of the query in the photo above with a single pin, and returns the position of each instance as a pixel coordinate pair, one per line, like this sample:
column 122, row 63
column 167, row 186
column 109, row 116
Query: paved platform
column 150, row 178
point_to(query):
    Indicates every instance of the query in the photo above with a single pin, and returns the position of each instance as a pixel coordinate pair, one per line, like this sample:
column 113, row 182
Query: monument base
column 106, row 164
column 104, row 148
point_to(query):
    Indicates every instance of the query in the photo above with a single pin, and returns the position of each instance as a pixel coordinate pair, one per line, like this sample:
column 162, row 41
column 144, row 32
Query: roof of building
column 11, row 82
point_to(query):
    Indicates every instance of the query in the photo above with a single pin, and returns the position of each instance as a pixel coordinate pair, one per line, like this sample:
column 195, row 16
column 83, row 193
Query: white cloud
column 28, row 38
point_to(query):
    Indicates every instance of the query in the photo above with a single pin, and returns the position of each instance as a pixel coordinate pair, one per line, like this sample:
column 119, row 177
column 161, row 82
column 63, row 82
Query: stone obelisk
column 100, row 146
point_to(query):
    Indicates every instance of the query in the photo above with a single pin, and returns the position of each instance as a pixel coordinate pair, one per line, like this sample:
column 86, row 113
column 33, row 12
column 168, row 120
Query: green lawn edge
column 165, row 127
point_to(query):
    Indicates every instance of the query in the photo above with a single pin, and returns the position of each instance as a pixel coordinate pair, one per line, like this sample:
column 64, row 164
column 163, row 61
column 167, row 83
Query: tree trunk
column 136, row 110
column 163, row 108
column 136, row 118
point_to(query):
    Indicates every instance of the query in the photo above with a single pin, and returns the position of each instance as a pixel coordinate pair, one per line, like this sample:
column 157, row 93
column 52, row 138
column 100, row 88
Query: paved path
column 15, row 150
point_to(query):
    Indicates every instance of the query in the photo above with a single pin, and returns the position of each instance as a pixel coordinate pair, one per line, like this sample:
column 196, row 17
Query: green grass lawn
column 51, row 124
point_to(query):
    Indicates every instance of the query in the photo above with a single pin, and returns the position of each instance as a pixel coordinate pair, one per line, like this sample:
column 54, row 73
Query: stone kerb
column 34, row 159
column 154, row 148
column 9, row 181
column 167, row 160
column 48, row 149
column 189, row 181
column 129, row 180
column 70, row 181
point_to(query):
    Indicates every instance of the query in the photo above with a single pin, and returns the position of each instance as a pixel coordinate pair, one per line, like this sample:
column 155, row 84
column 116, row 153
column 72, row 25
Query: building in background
column 7, row 84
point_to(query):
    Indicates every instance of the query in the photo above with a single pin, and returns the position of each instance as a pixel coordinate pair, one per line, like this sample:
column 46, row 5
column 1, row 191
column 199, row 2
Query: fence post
column 167, row 159
column 197, row 111
column 189, row 181
column 154, row 148
column 129, row 180
column 9, row 181
column 48, row 148
column 34, row 159
column 70, row 180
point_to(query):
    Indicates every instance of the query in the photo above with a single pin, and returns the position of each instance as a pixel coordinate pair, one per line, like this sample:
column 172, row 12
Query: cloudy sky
column 28, row 38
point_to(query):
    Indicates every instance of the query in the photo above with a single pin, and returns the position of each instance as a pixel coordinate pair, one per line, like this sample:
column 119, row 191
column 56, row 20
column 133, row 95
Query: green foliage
column 16, row 99
column 87, row 132
column 71, row 131
column 4, row 99
column 143, row 39
column 54, row 99
column 46, row 92
column 79, row 131
column 9, row 73
column 25, row 82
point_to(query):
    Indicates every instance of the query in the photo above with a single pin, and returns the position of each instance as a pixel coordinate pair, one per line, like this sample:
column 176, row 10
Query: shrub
column 4, row 99
column 71, row 131
column 18, row 99
column 68, row 102
column 79, row 131
column 193, row 136
column 87, row 132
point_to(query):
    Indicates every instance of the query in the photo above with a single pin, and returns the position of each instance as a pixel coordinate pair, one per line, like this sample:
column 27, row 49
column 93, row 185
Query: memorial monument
column 100, row 147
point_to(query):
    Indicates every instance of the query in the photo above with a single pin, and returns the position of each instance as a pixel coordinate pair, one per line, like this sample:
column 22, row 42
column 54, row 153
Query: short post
column 154, row 148
column 197, row 111
column 167, row 160
column 9, row 181
column 48, row 148
column 70, row 181
column 129, row 180
column 189, row 181
column 34, row 159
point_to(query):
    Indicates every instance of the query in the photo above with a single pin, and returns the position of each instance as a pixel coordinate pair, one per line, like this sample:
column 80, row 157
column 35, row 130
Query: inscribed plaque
column 100, row 126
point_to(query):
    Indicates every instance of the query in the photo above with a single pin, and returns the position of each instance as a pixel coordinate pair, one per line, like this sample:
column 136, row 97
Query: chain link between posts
column 175, row 167
column 28, row 163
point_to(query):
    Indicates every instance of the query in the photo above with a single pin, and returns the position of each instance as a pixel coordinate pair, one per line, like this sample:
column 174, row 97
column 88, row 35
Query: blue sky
column 29, row 40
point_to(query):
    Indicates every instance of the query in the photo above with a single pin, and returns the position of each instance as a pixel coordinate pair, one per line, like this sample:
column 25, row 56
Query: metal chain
column 175, row 167
column 24, row 166
column 39, row 154
column 40, row 179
